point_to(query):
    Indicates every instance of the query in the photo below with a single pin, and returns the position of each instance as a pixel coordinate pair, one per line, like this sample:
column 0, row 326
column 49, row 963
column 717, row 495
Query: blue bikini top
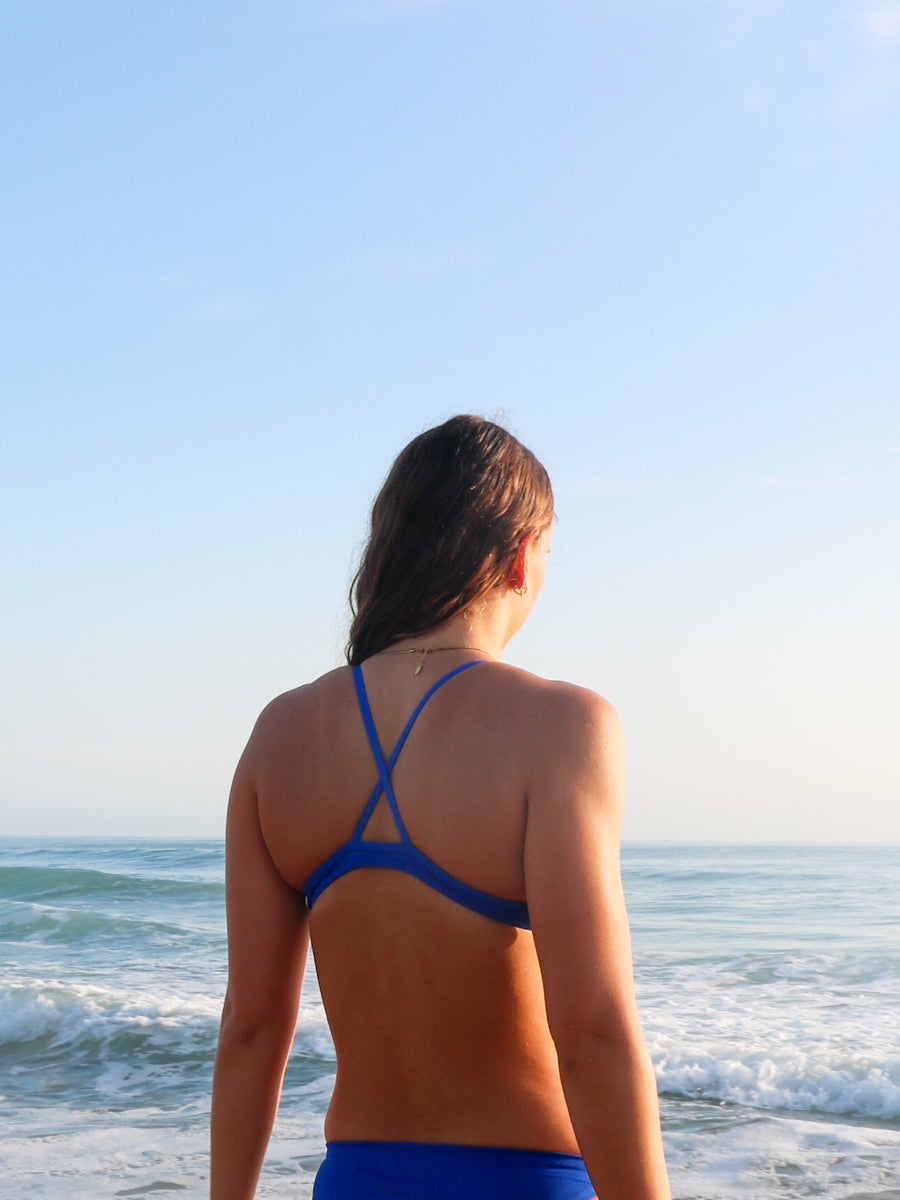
column 403, row 855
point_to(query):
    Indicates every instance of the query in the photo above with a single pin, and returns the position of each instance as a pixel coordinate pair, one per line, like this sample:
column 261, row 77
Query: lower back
column 438, row 1021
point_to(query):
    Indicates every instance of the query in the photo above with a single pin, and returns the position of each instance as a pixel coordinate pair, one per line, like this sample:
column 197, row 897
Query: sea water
column 768, row 979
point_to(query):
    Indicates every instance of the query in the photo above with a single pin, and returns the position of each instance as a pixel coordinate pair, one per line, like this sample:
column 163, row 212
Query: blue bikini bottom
column 425, row 1171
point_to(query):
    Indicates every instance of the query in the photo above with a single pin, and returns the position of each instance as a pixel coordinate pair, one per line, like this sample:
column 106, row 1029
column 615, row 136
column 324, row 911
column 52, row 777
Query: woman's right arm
column 577, row 909
column 267, row 945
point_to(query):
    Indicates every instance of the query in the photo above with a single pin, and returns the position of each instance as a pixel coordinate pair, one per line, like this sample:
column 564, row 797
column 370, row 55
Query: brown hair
column 445, row 529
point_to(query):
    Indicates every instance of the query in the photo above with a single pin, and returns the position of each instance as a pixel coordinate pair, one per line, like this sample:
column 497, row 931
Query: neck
column 483, row 628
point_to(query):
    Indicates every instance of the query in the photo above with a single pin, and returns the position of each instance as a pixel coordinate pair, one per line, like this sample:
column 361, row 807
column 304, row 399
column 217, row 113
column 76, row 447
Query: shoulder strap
column 385, row 768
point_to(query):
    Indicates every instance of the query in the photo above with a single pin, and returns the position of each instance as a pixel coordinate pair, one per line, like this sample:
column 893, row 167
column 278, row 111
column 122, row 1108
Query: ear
column 517, row 574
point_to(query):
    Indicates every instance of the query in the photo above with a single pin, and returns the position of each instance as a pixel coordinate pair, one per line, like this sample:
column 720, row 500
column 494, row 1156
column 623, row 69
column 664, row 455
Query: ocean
column 768, row 980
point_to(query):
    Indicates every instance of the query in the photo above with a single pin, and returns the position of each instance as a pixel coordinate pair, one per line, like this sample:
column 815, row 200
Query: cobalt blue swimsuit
column 430, row 1171
column 403, row 855
column 420, row 1170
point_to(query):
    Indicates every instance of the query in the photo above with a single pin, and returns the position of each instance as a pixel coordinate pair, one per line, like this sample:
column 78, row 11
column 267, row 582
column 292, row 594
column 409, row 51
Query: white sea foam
column 90, row 1041
column 722, row 1154
column 776, row 1031
column 785, row 1081
column 69, row 1012
column 109, row 1157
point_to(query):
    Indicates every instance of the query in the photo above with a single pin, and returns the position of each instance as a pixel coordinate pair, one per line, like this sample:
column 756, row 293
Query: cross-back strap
column 385, row 768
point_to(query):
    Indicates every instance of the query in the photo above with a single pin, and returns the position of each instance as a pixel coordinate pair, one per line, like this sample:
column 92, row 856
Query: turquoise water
column 768, row 980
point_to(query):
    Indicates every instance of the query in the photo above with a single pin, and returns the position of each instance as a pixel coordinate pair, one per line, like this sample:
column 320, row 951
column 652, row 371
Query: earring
column 520, row 591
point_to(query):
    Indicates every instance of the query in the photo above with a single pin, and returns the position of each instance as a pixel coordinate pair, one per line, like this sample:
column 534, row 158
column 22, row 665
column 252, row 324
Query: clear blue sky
column 250, row 250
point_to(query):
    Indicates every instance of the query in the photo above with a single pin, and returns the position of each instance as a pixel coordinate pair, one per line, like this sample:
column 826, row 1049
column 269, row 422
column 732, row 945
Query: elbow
column 243, row 1028
column 584, row 1048
column 236, row 1028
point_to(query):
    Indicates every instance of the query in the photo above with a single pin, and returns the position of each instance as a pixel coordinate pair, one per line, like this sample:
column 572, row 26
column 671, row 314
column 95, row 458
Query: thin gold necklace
column 424, row 650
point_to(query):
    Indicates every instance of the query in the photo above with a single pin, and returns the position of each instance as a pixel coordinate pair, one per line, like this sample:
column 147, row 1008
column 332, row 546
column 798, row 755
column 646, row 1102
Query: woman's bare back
column 437, row 1012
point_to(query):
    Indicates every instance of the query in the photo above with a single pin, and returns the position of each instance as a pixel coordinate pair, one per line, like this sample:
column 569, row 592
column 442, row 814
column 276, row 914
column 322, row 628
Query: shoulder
column 575, row 751
column 576, row 711
column 305, row 701
column 562, row 714
column 297, row 717
column 565, row 738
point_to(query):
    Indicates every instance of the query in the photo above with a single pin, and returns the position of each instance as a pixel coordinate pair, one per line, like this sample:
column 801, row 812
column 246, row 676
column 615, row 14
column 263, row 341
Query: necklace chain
column 425, row 650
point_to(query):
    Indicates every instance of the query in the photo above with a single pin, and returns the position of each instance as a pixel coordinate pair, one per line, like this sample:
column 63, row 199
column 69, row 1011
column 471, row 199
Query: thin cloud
column 809, row 483
column 173, row 279
column 805, row 55
column 880, row 24
column 374, row 12
column 870, row 451
column 874, row 81
column 224, row 309
column 608, row 485
column 399, row 262
column 755, row 101
column 410, row 260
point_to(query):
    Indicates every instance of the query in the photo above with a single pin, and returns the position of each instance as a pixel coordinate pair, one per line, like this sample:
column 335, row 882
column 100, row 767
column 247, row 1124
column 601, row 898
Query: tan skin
column 448, row 1027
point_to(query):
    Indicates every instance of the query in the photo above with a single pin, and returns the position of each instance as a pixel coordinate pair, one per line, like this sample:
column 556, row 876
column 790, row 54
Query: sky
column 250, row 250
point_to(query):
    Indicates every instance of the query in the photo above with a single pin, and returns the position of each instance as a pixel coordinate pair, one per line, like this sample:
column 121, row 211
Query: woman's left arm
column 268, row 940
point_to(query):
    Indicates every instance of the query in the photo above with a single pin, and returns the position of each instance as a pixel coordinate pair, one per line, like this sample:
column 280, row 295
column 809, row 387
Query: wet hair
column 445, row 530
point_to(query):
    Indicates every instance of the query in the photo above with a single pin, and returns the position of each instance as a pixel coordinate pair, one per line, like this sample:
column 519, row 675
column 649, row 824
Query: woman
column 468, row 924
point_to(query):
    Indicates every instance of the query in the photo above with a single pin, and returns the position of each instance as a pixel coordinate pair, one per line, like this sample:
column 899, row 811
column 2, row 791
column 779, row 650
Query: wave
column 85, row 1039
column 792, row 1033
column 73, row 1015
column 851, row 1086
column 47, row 882
column 22, row 921
column 66, row 1040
